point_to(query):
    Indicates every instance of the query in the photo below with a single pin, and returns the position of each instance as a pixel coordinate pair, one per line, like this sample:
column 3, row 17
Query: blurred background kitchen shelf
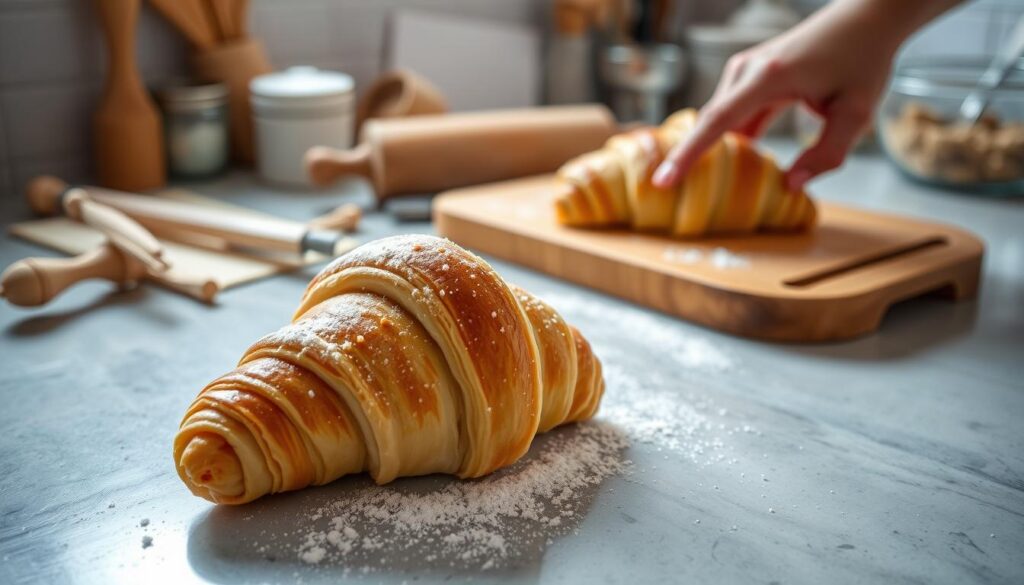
column 52, row 60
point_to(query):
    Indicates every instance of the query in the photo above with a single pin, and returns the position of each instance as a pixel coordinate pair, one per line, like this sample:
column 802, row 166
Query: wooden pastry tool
column 425, row 154
column 45, row 196
column 129, row 142
column 220, row 15
column 189, row 18
column 128, row 254
column 239, row 14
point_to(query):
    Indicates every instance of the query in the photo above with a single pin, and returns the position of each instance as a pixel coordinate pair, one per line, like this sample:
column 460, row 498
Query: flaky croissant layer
column 731, row 189
column 407, row 356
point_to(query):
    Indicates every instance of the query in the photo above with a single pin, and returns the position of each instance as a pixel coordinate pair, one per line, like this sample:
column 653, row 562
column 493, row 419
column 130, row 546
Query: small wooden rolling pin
column 426, row 154
column 45, row 196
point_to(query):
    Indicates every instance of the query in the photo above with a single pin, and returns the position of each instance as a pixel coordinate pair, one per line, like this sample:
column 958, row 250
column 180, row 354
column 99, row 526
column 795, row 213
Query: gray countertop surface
column 897, row 457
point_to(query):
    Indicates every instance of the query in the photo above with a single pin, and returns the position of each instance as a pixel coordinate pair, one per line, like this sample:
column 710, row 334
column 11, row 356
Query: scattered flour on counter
column 516, row 512
column 667, row 420
column 479, row 523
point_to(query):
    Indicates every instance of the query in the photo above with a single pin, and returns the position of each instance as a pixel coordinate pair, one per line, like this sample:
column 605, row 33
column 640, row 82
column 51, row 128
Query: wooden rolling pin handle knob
column 45, row 194
column 325, row 165
column 35, row 281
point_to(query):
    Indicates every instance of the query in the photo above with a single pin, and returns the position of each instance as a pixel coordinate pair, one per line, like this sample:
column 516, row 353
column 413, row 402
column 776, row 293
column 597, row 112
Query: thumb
column 844, row 123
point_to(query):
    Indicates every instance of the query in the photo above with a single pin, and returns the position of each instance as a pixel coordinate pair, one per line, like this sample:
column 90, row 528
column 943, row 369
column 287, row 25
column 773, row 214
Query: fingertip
column 666, row 175
column 797, row 178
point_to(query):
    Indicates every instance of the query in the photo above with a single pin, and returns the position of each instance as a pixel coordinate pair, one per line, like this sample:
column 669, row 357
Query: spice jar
column 195, row 128
column 295, row 110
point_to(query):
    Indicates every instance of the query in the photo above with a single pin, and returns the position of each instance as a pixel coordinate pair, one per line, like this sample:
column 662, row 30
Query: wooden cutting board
column 834, row 283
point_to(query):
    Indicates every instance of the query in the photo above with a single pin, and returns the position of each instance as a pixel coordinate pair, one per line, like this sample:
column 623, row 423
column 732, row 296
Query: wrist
column 892, row 22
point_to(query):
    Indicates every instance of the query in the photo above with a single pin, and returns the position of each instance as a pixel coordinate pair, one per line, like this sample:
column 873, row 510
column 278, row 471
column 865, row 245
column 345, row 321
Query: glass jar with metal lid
column 195, row 128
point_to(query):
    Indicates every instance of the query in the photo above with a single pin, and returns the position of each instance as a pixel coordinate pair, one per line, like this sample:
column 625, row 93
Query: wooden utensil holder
column 235, row 64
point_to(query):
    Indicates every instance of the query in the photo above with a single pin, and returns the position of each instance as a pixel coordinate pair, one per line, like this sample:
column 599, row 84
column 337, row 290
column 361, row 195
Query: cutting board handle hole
column 909, row 249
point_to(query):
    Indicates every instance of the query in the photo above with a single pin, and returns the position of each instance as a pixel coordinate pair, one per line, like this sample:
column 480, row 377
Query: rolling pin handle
column 45, row 194
column 325, row 165
column 35, row 281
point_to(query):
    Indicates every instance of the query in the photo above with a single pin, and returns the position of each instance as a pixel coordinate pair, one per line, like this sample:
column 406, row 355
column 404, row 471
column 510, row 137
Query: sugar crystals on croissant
column 731, row 189
column 407, row 356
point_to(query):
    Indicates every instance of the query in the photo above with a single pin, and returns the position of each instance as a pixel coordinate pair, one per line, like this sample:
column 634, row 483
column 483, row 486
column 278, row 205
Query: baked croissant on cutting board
column 731, row 189
column 406, row 356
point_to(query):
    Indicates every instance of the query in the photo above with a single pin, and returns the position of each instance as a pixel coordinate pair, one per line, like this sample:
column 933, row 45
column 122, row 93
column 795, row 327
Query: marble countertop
column 897, row 457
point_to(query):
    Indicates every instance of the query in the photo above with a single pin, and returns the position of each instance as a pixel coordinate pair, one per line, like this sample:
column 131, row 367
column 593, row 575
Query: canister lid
column 302, row 87
column 190, row 95
column 302, row 82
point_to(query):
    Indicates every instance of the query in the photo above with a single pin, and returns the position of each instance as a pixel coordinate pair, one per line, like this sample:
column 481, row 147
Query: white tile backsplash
column 47, row 120
column 3, row 144
column 974, row 29
column 7, row 196
column 30, row 39
column 1003, row 23
column 294, row 29
column 360, row 30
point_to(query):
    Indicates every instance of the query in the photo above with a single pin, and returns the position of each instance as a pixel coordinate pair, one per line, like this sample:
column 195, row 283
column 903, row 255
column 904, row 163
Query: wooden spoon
column 189, row 18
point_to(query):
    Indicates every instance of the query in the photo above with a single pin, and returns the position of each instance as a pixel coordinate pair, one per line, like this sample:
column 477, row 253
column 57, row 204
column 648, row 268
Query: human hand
column 836, row 62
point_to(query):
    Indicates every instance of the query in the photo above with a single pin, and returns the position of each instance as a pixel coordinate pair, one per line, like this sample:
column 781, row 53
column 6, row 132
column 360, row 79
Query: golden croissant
column 407, row 356
column 731, row 189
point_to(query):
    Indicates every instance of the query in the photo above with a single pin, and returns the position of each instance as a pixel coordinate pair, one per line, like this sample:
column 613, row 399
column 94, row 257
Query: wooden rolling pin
column 45, row 196
column 426, row 154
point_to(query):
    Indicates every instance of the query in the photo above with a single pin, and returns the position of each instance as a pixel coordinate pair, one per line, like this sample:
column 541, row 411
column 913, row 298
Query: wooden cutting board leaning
column 835, row 282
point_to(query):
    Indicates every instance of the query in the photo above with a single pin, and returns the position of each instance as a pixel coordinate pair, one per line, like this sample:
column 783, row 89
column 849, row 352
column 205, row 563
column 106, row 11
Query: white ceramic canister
column 294, row 110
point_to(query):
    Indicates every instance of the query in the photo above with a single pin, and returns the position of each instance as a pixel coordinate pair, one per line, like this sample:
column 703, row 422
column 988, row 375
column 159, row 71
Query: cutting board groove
column 834, row 283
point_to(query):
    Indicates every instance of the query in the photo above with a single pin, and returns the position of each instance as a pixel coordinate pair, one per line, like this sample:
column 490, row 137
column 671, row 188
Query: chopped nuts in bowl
column 923, row 134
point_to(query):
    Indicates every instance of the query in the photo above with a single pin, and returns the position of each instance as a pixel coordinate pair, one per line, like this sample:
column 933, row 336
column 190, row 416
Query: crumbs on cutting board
column 719, row 258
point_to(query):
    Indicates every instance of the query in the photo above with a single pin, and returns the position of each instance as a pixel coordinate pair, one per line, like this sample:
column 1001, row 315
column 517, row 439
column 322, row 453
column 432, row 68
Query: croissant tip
column 212, row 468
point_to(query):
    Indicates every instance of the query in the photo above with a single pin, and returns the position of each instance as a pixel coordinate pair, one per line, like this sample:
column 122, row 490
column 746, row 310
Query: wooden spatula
column 128, row 133
column 189, row 17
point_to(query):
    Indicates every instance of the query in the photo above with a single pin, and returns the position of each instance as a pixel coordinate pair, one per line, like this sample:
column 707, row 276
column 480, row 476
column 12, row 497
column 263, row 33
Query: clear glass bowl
column 920, row 131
